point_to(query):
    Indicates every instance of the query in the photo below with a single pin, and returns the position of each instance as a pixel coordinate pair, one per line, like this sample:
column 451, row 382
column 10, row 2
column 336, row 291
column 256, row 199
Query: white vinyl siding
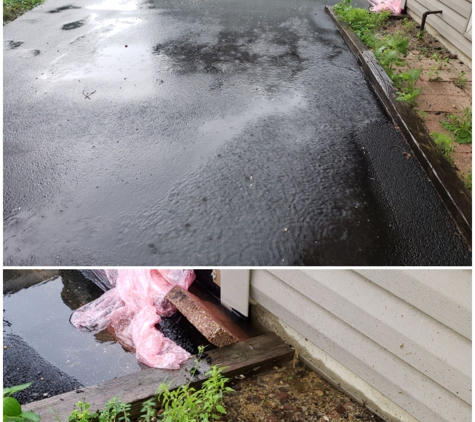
column 407, row 333
column 452, row 24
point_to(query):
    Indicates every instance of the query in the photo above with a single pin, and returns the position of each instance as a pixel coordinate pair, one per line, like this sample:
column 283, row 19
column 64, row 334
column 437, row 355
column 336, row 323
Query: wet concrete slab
column 204, row 133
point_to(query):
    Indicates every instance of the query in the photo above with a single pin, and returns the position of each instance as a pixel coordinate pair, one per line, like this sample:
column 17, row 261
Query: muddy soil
column 291, row 392
column 446, row 84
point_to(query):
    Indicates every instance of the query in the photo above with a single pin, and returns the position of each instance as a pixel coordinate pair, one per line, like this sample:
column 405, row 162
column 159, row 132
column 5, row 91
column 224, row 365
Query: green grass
column 14, row 8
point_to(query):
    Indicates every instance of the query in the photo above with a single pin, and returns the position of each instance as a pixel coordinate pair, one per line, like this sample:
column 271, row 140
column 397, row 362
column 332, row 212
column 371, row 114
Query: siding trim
column 387, row 320
column 454, row 312
column 307, row 301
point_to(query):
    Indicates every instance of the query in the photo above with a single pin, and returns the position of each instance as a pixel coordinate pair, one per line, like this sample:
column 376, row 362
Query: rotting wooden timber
column 242, row 358
column 443, row 176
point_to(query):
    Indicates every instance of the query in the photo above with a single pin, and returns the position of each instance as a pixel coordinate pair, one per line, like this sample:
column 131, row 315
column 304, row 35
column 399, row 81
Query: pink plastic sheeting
column 132, row 308
column 394, row 6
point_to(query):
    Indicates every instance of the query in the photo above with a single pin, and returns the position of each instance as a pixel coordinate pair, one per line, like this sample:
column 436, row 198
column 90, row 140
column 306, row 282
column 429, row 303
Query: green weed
column 12, row 411
column 461, row 127
column 433, row 74
column 439, row 60
column 390, row 50
column 468, row 180
column 362, row 21
column 185, row 404
column 461, row 80
column 406, row 82
column 115, row 410
column 149, row 409
column 408, row 25
column 82, row 413
column 444, row 144
column 422, row 114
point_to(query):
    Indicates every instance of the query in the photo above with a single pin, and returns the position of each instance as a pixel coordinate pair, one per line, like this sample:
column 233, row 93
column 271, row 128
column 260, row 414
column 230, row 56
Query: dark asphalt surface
column 204, row 133
column 23, row 364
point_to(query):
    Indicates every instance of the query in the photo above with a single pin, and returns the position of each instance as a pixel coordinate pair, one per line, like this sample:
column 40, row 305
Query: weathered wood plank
column 450, row 188
column 256, row 354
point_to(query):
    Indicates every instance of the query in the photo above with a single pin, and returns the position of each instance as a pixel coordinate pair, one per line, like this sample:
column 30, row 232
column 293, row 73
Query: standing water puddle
column 41, row 345
column 39, row 315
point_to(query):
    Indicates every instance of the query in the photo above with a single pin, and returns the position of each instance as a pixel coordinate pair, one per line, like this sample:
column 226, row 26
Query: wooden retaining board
column 443, row 176
column 243, row 358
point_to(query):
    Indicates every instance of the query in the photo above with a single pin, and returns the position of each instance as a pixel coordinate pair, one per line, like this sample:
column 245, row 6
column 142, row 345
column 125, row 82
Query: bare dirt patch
column 294, row 393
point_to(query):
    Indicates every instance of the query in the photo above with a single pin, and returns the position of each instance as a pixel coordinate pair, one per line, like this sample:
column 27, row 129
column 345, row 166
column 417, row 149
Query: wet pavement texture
column 204, row 133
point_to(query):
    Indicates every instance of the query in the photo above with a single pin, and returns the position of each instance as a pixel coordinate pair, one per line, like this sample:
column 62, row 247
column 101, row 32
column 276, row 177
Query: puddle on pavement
column 37, row 308
column 39, row 313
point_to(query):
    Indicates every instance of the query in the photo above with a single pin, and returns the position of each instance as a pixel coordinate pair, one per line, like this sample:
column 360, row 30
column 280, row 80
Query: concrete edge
column 330, row 369
column 453, row 192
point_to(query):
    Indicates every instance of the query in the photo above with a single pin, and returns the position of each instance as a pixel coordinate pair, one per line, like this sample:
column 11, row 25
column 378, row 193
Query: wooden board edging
column 243, row 358
column 453, row 192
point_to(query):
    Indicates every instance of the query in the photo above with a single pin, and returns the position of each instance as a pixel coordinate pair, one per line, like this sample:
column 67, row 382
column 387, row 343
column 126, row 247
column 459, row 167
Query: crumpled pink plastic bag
column 394, row 6
column 132, row 309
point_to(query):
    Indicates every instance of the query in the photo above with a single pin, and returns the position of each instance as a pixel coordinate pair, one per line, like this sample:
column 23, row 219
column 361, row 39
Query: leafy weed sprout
column 186, row 404
column 461, row 80
column 82, row 413
column 12, row 411
column 444, row 144
column 468, row 180
column 115, row 410
column 461, row 127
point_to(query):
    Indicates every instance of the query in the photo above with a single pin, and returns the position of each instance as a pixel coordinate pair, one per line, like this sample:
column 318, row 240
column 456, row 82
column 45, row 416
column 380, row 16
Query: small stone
column 348, row 406
column 5, row 347
column 283, row 395
column 45, row 394
column 340, row 409
column 333, row 414
column 319, row 393
column 288, row 406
